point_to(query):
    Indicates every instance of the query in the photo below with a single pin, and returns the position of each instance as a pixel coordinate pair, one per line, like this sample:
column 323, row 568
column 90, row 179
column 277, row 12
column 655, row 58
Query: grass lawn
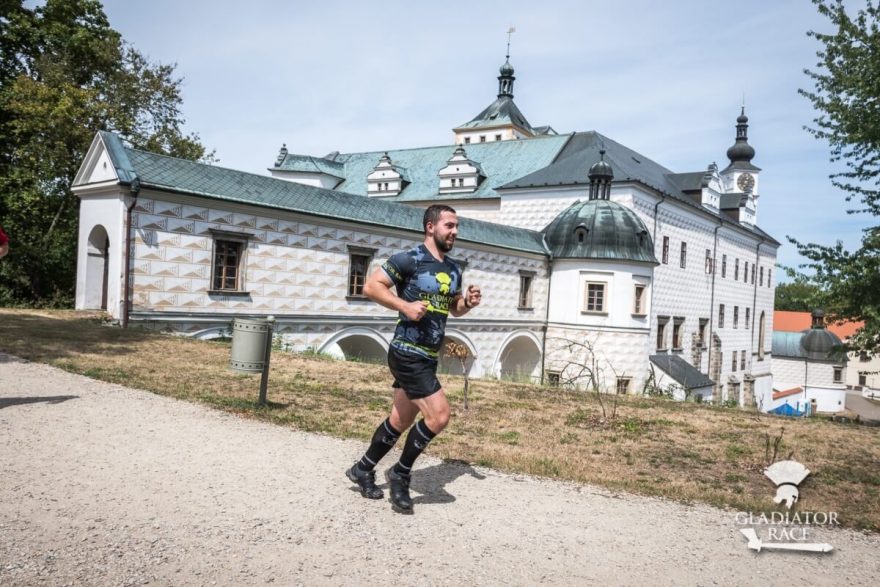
column 682, row 451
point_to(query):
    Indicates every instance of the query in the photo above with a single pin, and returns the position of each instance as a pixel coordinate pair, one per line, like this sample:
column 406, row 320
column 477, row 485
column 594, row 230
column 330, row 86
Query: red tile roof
column 787, row 392
column 797, row 321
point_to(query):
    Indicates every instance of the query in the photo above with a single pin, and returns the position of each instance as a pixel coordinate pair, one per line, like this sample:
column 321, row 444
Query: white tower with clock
column 740, row 178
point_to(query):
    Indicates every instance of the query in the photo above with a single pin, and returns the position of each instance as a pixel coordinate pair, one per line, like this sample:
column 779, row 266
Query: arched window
column 761, row 338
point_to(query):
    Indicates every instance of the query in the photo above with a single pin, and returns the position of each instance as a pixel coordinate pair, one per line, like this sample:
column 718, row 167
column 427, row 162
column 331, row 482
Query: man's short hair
column 432, row 214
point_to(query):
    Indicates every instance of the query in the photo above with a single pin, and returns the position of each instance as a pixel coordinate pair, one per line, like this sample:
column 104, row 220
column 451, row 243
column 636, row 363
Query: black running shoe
column 399, row 484
column 366, row 480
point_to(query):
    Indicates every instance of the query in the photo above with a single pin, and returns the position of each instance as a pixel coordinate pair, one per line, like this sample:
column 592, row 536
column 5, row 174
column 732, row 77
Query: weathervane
column 510, row 31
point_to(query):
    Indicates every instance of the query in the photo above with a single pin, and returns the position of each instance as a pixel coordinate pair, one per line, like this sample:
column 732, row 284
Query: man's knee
column 438, row 418
column 399, row 422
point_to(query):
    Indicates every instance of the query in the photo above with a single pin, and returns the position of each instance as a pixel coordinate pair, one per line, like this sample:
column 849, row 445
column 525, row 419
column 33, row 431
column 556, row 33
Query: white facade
column 816, row 381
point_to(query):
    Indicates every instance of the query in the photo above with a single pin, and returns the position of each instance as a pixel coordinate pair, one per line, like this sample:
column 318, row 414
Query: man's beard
column 442, row 245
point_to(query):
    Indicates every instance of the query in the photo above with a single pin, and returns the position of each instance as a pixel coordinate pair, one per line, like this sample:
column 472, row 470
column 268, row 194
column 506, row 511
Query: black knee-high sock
column 418, row 438
column 383, row 440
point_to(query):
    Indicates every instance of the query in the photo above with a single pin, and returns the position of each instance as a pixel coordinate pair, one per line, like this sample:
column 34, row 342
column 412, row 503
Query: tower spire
column 741, row 153
column 505, row 80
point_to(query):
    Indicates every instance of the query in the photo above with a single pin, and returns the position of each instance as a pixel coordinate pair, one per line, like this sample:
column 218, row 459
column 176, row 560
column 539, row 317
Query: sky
column 666, row 79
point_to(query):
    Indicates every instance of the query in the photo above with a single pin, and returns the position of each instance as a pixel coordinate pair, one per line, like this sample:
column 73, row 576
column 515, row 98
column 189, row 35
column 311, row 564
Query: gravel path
column 105, row 485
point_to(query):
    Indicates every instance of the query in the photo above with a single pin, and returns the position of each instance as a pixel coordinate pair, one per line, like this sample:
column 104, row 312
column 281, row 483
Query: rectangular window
column 708, row 261
column 358, row 266
column 553, row 378
column 761, row 280
column 736, row 316
column 467, row 140
column 742, row 361
column 723, row 265
column 748, row 323
column 639, row 300
column 863, row 379
column 863, row 357
column 753, row 275
column 733, row 362
column 769, row 271
column 482, row 138
column 525, row 291
column 497, row 137
column 683, row 258
column 677, row 333
column 594, row 297
column 228, row 263
column 665, row 256
column 736, row 269
column 746, row 272
column 720, row 315
column 662, row 321
column 623, row 385
column 704, row 323
column 838, row 375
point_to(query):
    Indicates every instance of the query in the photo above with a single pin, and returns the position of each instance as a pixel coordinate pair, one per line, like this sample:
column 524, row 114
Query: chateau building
column 598, row 265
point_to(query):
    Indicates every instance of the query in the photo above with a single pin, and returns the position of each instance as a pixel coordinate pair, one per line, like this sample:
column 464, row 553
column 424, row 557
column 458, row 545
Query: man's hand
column 473, row 297
column 415, row 311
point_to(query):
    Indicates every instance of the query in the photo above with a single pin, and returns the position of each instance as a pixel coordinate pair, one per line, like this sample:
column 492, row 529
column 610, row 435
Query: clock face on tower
column 746, row 182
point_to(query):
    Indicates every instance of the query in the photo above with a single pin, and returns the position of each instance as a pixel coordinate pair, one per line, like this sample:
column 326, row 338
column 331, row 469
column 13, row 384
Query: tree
column 847, row 97
column 796, row 296
column 65, row 74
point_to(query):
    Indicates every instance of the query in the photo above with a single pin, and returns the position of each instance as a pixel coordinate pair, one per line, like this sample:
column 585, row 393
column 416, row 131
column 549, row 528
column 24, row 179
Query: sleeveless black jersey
column 418, row 276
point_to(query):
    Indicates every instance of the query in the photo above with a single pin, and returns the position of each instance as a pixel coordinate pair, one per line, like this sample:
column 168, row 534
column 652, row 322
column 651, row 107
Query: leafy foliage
column 65, row 74
column 847, row 96
column 796, row 296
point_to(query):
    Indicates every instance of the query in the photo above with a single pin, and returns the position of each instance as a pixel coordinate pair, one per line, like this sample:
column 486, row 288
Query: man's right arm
column 378, row 288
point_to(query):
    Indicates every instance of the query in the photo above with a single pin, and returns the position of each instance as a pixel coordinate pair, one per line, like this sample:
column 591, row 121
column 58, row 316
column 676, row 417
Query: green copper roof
column 188, row 177
column 499, row 161
column 310, row 164
column 815, row 344
column 600, row 229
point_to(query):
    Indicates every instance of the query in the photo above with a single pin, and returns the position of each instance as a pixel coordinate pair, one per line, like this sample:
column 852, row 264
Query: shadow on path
column 431, row 482
column 6, row 402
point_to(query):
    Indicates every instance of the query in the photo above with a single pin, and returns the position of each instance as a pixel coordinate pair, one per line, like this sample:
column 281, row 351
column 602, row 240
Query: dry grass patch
column 683, row 451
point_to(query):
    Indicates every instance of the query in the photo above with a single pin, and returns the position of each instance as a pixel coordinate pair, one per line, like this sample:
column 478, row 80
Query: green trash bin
column 249, row 339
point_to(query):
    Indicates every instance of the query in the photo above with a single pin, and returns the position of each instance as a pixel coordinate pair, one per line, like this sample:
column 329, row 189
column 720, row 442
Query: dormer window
column 580, row 233
column 461, row 175
column 386, row 178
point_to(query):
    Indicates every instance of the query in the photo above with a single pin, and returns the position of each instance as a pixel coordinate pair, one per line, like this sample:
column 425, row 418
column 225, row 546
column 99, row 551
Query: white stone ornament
column 786, row 475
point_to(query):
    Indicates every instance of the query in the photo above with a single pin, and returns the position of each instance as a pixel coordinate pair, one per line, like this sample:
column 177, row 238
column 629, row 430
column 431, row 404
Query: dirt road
column 104, row 485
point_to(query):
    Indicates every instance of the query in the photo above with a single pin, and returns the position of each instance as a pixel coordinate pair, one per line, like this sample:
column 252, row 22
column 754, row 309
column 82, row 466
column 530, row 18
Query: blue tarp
column 786, row 410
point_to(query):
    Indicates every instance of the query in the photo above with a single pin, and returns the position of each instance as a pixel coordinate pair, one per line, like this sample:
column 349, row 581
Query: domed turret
column 818, row 342
column 600, row 175
column 741, row 153
column 599, row 229
column 505, row 80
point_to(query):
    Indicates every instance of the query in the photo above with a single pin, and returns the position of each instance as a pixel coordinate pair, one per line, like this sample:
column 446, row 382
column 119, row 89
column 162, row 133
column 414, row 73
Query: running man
column 428, row 286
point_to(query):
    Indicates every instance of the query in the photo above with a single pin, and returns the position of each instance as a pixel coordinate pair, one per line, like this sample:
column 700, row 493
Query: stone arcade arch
column 357, row 344
column 519, row 357
column 97, row 262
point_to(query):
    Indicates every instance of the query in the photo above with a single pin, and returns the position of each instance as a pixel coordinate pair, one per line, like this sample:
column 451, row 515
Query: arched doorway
column 357, row 344
column 97, row 265
column 520, row 358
